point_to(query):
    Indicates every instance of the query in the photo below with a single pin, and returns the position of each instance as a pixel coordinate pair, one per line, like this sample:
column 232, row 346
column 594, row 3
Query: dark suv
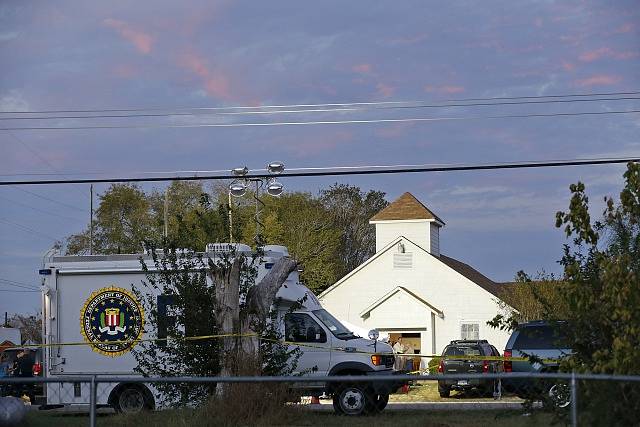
column 543, row 345
column 465, row 356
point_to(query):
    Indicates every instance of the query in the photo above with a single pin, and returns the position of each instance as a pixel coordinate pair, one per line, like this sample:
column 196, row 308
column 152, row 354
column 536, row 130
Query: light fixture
column 237, row 188
column 240, row 171
column 274, row 188
column 275, row 168
column 400, row 247
column 374, row 334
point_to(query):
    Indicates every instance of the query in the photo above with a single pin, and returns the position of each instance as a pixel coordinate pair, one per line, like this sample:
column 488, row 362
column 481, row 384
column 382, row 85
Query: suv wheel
column 444, row 392
column 560, row 395
column 352, row 399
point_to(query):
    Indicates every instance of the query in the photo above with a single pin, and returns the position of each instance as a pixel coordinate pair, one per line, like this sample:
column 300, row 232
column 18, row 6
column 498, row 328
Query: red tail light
column 508, row 367
column 37, row 369
column 441, row 367
column 485, row 366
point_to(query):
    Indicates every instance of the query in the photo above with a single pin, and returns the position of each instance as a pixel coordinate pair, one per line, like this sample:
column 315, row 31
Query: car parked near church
column 466, row 356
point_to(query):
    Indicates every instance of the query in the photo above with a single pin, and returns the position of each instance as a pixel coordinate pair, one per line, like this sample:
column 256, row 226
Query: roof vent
column 227, row 247
column 276, row 248
column 402, row 261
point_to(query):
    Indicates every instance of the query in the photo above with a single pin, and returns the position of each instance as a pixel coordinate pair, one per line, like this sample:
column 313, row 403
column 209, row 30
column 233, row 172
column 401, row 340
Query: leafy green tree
column 122, row 222
column 180, row 303
column 597, row 300
column 602, row 293
column 350, row 209
column 529, row 299
column 310, row 235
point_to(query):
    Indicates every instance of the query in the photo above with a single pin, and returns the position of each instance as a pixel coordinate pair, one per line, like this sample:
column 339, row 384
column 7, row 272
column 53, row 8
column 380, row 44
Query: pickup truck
column 465, row 356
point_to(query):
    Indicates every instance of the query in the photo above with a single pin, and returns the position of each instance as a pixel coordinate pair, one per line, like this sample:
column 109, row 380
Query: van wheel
column 131, row 400
column 351, row 399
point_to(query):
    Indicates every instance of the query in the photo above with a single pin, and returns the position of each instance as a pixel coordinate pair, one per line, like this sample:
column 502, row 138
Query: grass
column 427, row 391
column 302, row 417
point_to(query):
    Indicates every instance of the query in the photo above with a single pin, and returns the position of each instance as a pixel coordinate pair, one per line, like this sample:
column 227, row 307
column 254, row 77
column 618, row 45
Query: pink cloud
column 215, row 82
column 595, row 54
column 598, row 80
column 606, row 52
column 141, row 40
column 385, row 90
column 568, row 66
column 362, row 68
column 448, row 89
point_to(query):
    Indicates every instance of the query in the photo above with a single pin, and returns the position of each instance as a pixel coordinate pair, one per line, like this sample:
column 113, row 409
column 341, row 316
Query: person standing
column 400, row 349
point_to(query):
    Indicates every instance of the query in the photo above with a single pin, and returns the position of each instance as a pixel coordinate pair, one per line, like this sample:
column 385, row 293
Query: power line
column 16, row 285
column 374, row 170
column 39, row 210
column 11, row 290
column 342, row 104
column 44, row 160
column 262, row 111
column 29, row 230
column 322, row 122
column 49, row 199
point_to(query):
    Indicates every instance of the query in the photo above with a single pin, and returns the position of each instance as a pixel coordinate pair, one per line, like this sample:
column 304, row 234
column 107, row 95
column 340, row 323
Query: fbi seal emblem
column 111, row 321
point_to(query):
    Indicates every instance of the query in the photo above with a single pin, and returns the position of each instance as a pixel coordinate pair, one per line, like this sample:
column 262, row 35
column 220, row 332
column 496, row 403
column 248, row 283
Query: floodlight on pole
column 237, row 188
column 274, row 188
column 242, row 171
column 275, row 168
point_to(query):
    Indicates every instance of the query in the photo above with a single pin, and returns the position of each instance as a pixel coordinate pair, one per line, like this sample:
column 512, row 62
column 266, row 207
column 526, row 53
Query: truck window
column 300, row 327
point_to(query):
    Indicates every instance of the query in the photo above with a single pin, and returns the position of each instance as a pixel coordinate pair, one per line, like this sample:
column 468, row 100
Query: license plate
column 463, row 382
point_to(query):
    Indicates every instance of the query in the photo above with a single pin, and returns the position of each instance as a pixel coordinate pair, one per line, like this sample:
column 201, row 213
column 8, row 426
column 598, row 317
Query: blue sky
column 165, row 54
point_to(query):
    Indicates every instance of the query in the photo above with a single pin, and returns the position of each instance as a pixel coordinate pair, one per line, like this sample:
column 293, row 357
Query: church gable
column 400, row 300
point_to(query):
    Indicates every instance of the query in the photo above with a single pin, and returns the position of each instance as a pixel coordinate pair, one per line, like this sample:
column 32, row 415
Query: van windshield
column 333, row 324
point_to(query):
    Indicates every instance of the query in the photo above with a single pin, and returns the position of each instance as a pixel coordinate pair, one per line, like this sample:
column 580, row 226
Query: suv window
column 543, row 337
column 300, row 327
column 462, row 350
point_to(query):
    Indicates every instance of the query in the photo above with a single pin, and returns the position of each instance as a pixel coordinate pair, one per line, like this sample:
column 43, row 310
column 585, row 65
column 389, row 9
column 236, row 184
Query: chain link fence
column 571, row 398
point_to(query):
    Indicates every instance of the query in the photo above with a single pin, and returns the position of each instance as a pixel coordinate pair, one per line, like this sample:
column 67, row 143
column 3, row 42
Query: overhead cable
column 320, row 122
column 261, row 111
column 342, row 172
column 342, row 104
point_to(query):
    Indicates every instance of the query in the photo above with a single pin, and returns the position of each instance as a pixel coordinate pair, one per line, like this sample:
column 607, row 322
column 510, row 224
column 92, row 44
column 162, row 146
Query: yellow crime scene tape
column 292, row 343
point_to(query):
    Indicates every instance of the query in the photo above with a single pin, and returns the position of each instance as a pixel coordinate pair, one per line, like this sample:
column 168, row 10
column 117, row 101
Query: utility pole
column 91, row 221
column 230, row 221
column 166, row 214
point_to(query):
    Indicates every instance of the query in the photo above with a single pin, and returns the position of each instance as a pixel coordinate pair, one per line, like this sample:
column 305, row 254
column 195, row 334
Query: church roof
column 405, row 207
column 474, row 275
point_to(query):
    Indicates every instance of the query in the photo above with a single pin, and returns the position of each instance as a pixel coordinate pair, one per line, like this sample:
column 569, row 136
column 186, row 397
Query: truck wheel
column 131, row 400
column 444, row 392
column 351, row 399
column 377, row 403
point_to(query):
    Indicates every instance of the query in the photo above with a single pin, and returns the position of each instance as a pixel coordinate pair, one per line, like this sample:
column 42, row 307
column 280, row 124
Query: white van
column 90, row 299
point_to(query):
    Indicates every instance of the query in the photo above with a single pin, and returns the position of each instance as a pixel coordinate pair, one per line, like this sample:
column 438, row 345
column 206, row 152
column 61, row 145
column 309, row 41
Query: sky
column 71, row 55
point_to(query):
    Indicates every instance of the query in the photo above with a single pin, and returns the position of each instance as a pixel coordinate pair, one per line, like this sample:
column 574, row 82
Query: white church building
column 409, row 289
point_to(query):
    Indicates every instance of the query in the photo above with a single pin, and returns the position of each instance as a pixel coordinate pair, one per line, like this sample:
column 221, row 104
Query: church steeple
column 407, row 216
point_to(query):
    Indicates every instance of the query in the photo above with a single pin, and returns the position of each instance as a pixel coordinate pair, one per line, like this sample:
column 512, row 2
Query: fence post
column 92, row 401
column 574, row 400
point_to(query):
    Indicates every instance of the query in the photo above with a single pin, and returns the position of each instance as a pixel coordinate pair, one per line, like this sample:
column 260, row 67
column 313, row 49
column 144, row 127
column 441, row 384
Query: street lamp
column 238, row 188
